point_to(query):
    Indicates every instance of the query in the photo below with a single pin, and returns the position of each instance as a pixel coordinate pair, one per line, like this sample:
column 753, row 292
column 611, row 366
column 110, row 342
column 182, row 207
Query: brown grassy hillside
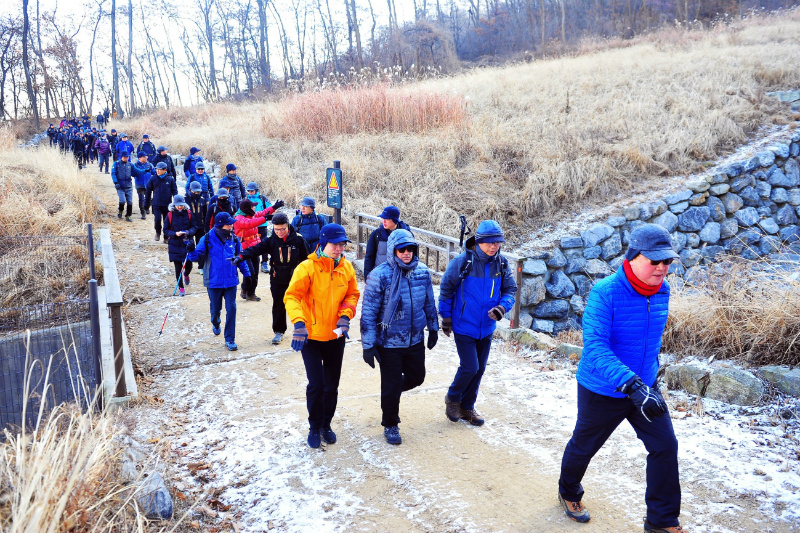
column 535, row 140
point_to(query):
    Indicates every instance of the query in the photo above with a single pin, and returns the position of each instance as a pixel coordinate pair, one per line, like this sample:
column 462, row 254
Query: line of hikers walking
column 226, row 232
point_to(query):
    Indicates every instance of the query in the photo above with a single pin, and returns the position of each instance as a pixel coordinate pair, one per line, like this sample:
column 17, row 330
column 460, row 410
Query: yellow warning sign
column 333, row 184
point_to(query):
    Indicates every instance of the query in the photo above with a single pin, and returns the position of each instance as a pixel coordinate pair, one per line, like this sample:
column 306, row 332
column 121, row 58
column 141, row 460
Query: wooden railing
column 113, row 293
column 436, row 251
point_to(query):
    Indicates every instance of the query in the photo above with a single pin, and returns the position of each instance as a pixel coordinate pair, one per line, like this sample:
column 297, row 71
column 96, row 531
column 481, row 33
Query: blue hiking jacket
column 219, row 272
column 160, row 190
column 621, row 335
column 308, row 226
column 486, row 285
column 417, row 308
column 205, row 182
column 125, row 146
column 121, row 174
column 142, row 173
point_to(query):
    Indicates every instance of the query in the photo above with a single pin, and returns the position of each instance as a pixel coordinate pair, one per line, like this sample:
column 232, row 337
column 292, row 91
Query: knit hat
column 223, row 219
column 162, row 165
column 178, row 199
column 229, row 167
column 246, row 207
column 489, row 231
column 195, row 186
column 652, row 241
column 332, row 233
column 280, row 219
column 308, row 202
column 390, row 212
column 193, row 150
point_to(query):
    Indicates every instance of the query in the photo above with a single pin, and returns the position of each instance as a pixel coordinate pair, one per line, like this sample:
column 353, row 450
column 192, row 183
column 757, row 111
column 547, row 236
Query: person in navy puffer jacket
column 160, row 190
column 477, row 290
column 143, row 170
column 398, row 305
column 179, row 229
column 121, row 175
column 623, row 323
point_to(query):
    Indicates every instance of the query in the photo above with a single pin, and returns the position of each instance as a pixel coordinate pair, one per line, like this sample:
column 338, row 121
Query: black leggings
column 179, row 267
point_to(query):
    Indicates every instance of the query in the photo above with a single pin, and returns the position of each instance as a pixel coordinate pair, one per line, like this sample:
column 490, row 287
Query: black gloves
column 237, row 259
column 433, row 336
column 299, row 337
column 116, row 186
column 190, row 246
column 649, row 401
column 344, row 325
column 277, row 205
column 497, row 312
column 370, row 354
column 447, row 326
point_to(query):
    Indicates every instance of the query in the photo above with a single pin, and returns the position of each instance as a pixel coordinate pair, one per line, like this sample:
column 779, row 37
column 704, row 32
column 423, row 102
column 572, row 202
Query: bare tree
column 114, row 65
column 25, row 36
column 263, row 57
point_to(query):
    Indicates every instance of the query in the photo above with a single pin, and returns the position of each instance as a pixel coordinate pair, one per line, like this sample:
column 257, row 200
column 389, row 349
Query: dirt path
column 235, row 422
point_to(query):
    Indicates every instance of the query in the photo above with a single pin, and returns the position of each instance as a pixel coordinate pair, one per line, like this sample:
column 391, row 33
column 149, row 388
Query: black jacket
column 178, row 221
column 199, row 207
column 214, row 208
column 376, row 247
column 156, row 159
column 284, row 256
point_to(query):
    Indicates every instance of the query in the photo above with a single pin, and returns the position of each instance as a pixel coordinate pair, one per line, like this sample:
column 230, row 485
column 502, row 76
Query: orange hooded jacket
column 319, row 294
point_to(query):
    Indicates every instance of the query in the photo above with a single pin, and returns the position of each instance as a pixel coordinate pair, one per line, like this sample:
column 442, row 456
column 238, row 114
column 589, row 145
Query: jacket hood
column 396, row 238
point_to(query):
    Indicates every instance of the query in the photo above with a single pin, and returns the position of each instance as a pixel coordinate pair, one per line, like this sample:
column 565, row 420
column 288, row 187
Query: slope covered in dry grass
column 537, row 140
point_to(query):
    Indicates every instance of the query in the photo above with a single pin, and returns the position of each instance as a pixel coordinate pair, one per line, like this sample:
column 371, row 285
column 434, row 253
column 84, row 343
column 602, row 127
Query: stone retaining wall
column 748, row 208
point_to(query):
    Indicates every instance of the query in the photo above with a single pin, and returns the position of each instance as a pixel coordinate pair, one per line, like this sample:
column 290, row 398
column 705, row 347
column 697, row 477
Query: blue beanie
column 229, row 167
column 332, row 233
column 392, row 213
column 489, row 231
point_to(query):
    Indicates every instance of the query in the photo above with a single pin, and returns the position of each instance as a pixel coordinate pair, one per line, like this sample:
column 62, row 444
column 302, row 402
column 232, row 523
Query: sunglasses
column 662, row 262
column 404, row 249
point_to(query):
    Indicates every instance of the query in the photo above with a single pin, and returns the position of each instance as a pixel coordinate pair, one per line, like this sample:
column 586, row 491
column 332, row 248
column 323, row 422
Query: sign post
column 333, row 179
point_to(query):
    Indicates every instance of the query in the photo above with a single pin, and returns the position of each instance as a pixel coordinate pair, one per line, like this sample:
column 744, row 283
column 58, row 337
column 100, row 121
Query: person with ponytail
column 623, row 323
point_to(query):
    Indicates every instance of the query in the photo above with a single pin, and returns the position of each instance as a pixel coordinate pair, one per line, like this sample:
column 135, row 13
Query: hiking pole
column 177, row 284
column 464, row 231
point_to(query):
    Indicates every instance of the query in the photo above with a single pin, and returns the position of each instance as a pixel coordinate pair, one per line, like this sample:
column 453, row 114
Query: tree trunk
column 25, row 31
column 91, row 53
column 130, row 56
column 542, row 16
column 359, row 53
column 263, row 56
column 563, row 4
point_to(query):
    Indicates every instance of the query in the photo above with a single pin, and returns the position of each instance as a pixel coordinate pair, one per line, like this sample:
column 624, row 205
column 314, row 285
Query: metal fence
column 49, row 327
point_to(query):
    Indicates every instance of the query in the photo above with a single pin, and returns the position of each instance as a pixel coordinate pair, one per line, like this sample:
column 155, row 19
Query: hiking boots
column 243, row 295
column 158, row 236
column 652, row 529
column 392, row 434
column 128, row 219
column 186, row 279
column 253, row 298
column 215, row 329
column 328, row 435
column 231, row 346
column 471, row 416
column 576, row 510
column 119, row 215
column 181, row 291
column 313, row 438
column 277, row 338
column 143, row 217
column 452, row 409
column 165, row 238
column 265, row 268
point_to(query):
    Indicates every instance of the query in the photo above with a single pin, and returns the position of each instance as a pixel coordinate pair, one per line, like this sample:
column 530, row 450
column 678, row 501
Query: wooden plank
column 110, row 274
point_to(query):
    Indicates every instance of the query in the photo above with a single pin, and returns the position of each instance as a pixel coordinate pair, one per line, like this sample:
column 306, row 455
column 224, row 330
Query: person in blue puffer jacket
column 477, row 290
column 143, row 170
column 200, row 176
column 623, row 323
column 219, row 247
column 121, row 175
column 398, row 305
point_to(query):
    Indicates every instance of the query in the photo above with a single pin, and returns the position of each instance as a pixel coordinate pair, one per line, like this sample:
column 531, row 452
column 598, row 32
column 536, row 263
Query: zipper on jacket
column 646, row 333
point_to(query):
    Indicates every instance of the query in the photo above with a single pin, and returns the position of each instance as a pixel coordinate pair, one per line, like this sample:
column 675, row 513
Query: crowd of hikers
column 231, row 228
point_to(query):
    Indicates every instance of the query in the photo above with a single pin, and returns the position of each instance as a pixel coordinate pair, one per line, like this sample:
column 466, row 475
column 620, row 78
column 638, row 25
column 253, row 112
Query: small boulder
column 693, row 219
column 154, row 497
column 560, row 286
column 596, row 234
column 785, row 379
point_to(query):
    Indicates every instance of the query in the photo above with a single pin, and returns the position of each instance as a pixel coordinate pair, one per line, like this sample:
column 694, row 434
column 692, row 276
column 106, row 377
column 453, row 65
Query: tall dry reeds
column 375, row 110
column 740, row 309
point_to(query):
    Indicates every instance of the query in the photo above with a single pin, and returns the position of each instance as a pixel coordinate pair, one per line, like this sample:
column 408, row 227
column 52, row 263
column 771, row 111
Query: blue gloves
column 299, row 337
column 344, row 325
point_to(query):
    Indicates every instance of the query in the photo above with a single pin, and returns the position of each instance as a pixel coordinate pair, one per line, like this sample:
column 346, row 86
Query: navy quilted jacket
column 417, row 307
column 621, row 335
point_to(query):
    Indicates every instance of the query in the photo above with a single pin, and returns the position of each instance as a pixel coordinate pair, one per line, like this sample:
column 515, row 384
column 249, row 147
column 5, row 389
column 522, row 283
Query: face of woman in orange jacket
column 334, row 250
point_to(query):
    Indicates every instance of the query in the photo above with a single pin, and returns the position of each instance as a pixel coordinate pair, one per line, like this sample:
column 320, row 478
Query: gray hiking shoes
column 574, row 510
column 277, row 338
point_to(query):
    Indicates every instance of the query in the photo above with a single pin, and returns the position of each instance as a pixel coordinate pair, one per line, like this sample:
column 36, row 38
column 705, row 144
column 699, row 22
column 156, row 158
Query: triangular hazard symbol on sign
column 333, row 184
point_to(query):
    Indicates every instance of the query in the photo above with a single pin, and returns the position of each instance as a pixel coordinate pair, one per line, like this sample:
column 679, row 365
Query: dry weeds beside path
column 234, row 423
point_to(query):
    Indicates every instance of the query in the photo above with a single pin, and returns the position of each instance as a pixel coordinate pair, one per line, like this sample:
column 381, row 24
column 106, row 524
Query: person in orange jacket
column 321, row 300
column 246, row 228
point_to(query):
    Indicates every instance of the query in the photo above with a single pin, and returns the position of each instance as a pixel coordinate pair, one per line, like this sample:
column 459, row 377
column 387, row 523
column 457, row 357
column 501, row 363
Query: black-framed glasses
column 663, row 261
column 409, row 248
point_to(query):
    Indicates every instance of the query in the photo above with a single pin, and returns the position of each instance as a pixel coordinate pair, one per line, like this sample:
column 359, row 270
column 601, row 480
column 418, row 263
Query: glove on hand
column 277, row 205
column 447, row 326
column 370, row 354
column 433, row 336
column 190, row 246
column 649, row 401
column 116, row 186
column 299, row 337
column 344, row 325
column 237, row 259
column 497, row 312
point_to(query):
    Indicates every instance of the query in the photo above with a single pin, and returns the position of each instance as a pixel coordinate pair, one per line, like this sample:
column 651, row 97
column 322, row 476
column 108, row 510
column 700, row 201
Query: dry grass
column 740, row 311
column 375, row 110
column 542, row 140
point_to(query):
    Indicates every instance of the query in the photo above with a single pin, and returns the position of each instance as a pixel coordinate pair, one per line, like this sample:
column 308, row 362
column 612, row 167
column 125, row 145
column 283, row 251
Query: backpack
column 320, row 222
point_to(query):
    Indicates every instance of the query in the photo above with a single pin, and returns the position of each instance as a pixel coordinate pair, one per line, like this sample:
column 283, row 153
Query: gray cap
column 222, row 192
column 178, row 199
column 652, row 241
column 200, row 165
column 162, row 165
column 195, row 186
column 308, row 202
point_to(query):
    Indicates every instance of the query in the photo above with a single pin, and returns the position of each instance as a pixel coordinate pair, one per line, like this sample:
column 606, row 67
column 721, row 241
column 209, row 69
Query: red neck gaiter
column 638, row 285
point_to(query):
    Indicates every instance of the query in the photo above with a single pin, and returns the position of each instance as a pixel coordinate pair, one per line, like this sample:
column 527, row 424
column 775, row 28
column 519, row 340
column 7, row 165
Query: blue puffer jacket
column 125, row 146
column 219, row 272
column 417, row 308
column 142, row 173
column 160, row 190
column 121, row 174
column 621, row 335
column 486, row 285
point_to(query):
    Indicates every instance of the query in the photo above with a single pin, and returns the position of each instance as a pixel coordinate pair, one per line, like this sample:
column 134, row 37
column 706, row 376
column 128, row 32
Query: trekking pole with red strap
column 177, row 284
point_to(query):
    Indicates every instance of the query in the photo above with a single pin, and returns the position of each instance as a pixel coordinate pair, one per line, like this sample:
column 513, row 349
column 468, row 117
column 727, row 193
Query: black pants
column 179, row 267
column 262, row 232
column 402, row 369
column 278, row 308
column 197, row 236
column 160, row 213
column 323, row 362
column 249, row 285
column 598, row 417
column 141, row 193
